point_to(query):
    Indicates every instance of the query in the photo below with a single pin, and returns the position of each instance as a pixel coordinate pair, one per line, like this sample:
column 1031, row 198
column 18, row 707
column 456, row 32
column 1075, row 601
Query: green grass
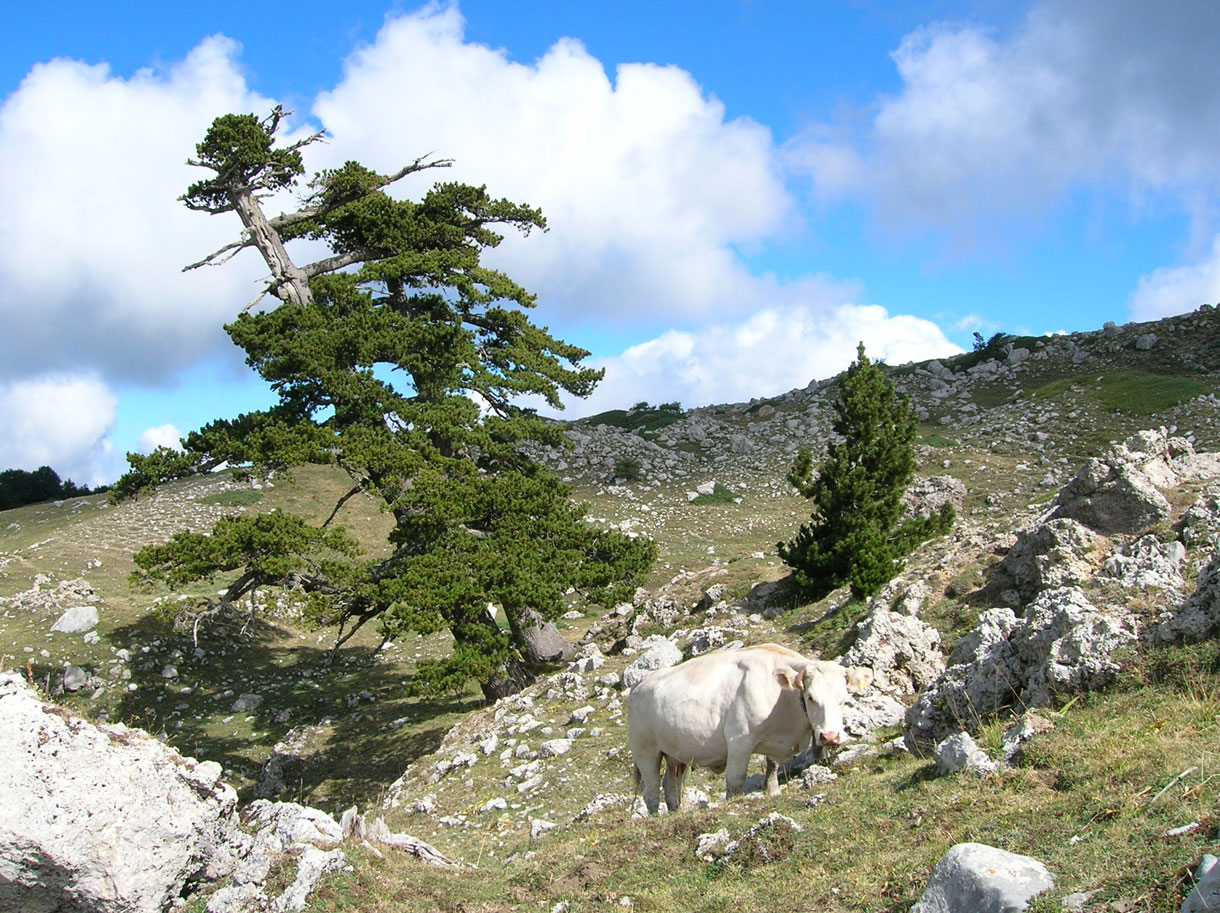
column 870, row 844
column 1130, row 392
column 646, row 421
column 236, row 498
column 719, row 495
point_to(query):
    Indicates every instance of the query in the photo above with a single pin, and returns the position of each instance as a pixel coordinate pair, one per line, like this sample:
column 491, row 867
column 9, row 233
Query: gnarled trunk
column 538, row 638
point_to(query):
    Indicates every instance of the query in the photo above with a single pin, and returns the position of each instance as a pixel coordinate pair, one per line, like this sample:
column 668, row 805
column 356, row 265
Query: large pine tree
column 854, row 535
column 398, row 358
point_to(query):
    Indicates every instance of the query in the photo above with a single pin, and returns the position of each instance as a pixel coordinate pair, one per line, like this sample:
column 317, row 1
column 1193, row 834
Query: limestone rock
column 1047, row 555
column 660, row 653
column 959, row 752
column 983, row 879
column 1026, row 727
column 1198, row 616
column 1063, row 644
column 102, row 818
column 1111, row 497
column 902, row 652
column 1147, row 562
column 1067, row 644
column 1205, row 897
column 77, row 620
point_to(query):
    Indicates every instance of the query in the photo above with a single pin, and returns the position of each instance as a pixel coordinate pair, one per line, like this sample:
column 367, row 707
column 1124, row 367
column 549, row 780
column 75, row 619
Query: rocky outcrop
column 983, row 879
column 103, row 818
column 1119, row 492
column 1198, row 616
column 1063, row 644
column 926, row 497
column 1147, row 562
column 1045, row 556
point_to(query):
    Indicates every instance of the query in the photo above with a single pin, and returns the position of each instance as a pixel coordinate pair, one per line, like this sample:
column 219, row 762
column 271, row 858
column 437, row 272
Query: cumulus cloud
column 775, row 350
column 160, row 436
column 645, row 185
column 59, row 421
column 987, row 128
column 650, row 192
column 1176, row 290
column 94, row 239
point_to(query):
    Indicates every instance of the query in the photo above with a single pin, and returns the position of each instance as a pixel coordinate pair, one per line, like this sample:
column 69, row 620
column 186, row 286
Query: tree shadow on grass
column 352, row 725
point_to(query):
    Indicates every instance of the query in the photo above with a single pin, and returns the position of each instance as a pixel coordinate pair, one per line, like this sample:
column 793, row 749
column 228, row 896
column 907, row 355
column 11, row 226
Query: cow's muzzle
column 831, row 737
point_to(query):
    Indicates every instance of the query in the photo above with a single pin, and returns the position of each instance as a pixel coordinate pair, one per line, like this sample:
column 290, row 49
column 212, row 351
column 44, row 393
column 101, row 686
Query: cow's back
column 690, row 710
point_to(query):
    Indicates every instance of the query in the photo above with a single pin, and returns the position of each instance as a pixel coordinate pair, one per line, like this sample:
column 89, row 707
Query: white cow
column 718, row 709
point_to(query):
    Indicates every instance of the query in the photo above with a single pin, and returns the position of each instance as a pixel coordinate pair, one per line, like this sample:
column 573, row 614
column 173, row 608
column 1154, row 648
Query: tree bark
column 289, row 283
column 510, row 678
column 539, row 639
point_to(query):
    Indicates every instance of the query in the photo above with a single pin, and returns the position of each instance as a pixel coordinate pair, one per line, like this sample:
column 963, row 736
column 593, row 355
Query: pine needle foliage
column 399, row 358
column 854, row 534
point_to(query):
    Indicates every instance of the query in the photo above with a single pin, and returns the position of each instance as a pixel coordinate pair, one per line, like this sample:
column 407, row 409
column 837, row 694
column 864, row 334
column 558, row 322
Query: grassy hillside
column 1087, row 799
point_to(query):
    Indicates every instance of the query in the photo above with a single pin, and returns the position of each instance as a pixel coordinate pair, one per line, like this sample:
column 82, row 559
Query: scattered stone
column 1026, row 727
column 660, row 653
column 77, row 620
column 553, row 748
column 959, row 752
column 709, row 847
column 75, row 678
column 983, row 879
column 539, row 826
column 246, row 703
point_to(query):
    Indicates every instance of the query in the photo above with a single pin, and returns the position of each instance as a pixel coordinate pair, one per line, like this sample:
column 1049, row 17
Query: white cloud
column 775, row 350
column 646, row 187
column 160, row 436
column 1176, row 290
column 59, row 421
column 94, row 239
column 988, row 128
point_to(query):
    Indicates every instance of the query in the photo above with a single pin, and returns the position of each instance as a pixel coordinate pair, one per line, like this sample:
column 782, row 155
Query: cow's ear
column 859, row 678
column 789, row 678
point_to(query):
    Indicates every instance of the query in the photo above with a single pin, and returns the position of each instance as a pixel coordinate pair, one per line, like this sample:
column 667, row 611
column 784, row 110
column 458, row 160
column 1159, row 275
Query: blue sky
column 738, row 192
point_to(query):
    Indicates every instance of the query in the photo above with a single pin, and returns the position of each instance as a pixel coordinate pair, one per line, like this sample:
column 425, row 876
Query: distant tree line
column 19, row 487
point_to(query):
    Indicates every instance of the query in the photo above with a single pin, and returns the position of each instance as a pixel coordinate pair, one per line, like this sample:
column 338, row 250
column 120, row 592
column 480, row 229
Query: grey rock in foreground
column 978, row 878
column 1206, row 894
column 103, row 818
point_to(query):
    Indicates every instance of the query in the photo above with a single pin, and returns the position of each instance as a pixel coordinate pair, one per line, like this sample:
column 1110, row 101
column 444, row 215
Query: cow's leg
column 649, row 770
column 735, row 768
column 772, row 777
column 675, row 773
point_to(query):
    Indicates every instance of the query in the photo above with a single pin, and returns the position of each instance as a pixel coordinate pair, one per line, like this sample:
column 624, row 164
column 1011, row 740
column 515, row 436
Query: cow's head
column 824, row 688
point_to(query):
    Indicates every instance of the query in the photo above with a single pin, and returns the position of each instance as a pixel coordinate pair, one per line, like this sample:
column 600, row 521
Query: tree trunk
column 538, row 639
column 508, row 680
column 291, row 284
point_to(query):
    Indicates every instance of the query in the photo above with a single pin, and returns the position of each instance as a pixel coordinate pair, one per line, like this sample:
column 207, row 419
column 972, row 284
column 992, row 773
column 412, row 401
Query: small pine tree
column 854, row 535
